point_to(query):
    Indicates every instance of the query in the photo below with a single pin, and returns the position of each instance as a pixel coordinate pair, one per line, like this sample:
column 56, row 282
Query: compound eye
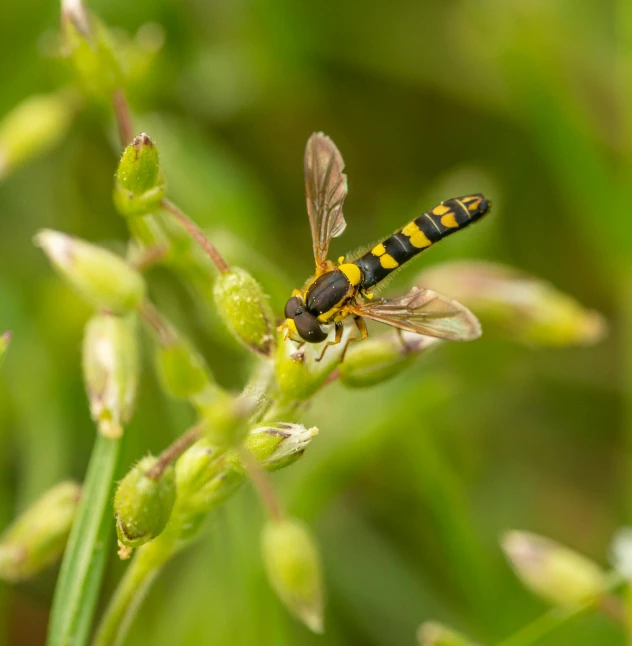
column 293, row 307
column 309, row 328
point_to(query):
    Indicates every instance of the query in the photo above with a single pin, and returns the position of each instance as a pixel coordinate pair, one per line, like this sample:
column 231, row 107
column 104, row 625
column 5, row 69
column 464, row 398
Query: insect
column 336, row 292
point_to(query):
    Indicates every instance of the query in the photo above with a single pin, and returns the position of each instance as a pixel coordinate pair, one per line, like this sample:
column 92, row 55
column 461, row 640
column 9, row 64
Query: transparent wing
column 326, row 189
column 424, row 312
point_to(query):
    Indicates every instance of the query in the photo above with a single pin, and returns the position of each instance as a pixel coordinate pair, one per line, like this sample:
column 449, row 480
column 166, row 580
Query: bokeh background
column 409, row 484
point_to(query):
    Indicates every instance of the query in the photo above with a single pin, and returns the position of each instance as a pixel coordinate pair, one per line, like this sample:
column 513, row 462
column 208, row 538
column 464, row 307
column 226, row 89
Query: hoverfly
column 338, row 291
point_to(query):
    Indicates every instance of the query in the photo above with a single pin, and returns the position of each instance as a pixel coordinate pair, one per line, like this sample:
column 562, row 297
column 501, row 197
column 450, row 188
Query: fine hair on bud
column 143, row 502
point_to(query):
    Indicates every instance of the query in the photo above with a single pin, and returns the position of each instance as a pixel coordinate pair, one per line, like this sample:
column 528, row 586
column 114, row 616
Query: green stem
column 82, row 567
column 543, row 625
column 133, row 588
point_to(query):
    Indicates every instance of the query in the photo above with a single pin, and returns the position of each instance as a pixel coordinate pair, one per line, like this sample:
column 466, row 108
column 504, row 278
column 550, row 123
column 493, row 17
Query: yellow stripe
column 448, row 220
column 378, row 250
column 352, row 272
column 442, row 209
column 388, row 262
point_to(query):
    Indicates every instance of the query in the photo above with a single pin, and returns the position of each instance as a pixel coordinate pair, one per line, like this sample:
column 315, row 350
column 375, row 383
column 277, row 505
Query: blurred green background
column 409, row 484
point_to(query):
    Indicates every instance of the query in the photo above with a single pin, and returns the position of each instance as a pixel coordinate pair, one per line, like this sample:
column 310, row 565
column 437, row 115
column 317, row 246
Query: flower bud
column 554, row 572
column 100, row 276
column 110, row 370
column 293, row 566
column 277, row 445
column 245, row 310
column 91, row 49
column 205, row 478
column 380, row 358
column 224, row 418
column 182, row 369
column 432, row 633
column 34, row 127
column 143, row 503
column 38, row 537
column 298, row 374
column 517, row 305
column 139, row 183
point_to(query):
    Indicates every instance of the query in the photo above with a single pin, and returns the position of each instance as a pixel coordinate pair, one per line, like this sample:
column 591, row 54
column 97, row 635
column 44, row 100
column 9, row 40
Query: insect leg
column 336, row 340
column 361, row 325
column 402, row 340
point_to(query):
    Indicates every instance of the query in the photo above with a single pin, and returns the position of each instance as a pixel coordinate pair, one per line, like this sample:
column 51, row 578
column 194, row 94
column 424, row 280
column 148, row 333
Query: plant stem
column 82, row 567
column 157, row 323
column 543, row 625
column 173, row 452
column 197, row 234
column 123, row 117
column 262, row 484
column 133, row 588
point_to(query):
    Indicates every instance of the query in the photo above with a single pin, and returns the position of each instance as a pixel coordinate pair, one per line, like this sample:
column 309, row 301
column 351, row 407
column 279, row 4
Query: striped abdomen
column 430, row 227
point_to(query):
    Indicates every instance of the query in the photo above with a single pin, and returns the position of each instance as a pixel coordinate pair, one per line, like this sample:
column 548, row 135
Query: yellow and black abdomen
column 430, row 227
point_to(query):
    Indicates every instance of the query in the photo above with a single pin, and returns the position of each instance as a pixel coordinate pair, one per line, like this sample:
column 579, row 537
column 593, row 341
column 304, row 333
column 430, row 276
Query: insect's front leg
column 336, row 340
column 364, row 333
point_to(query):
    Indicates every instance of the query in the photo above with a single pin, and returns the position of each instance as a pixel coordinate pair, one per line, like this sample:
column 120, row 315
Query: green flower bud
column 224, row 418
column 143, row 503
column 380, row 358
column 182, row 369
column 245, row 310
column 205, row 478
column 277, row 445
column 99, row 275
column 38, row 537
column 432, row 633
column 292, row 563
column 139, row 183
column 518, row 306
column 554, row 572
column 34, row 127
column 91, row 49
column 110, row 369
column 298, row 375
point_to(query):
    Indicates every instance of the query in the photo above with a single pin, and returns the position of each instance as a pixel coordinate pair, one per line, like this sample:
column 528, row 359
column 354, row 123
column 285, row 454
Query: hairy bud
column 139, row 183
column 99, row 275
column 277, row 445
column 143, row 503
column 245, row 310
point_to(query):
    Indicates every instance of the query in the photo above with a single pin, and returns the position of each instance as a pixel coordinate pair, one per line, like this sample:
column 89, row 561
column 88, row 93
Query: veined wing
column 326, row 189
column 424, row 312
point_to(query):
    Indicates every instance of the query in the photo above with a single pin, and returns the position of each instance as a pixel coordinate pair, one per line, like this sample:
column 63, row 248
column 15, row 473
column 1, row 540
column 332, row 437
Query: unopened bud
column 34, row 127
column 378, row 359
column 276, row 446
column 183, row 371
column 205, row 478
column 38, row 537
column 432, row 633
column 298, row 374
column 224, row 418
column 110, row 369
column 99, row 275
column 245, row 310
column 139, row 183
column 554, row 572
column 143, row 503
column 91, row 49
column 292, row 563
column 518, row 306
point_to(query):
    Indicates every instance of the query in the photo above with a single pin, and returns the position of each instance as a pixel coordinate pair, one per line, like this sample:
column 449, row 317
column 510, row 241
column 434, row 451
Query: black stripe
column 429, row 228
column 372, row 270
column 398, row 245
